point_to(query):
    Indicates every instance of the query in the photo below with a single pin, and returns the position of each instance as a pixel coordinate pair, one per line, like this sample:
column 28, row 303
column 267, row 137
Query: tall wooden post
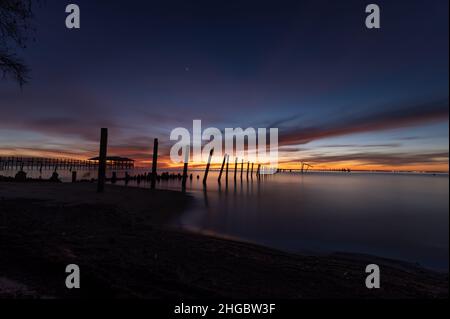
column 258, row 172
column 228, row 164
column 248, row 168
column 185, row 169
column 242, row 168
column 208, row 166
column 102, row 160
column 235, row 168
column 223, row 165
column 155, row 163
column 252, row 170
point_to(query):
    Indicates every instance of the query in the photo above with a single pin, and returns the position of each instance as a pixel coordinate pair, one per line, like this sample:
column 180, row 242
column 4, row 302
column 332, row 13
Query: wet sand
column 124, row 251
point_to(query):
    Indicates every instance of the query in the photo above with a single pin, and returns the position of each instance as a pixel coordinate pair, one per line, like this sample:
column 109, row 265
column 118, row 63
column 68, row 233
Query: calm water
column 400, row 216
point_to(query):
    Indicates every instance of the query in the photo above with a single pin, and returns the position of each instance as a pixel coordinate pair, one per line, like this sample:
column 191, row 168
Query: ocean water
column 399, row 216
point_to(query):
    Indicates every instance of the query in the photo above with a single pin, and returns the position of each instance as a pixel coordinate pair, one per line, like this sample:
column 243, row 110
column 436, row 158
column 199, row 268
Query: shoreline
column 309, row 252
column 124, row 251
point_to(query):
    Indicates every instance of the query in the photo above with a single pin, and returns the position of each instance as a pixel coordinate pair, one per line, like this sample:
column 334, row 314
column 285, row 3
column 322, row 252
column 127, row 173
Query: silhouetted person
column 114, row 178
column 55, row 178
column 21, row 176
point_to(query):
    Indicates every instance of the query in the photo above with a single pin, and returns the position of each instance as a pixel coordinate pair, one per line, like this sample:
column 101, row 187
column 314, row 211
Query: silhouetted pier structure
column 16, row 163
column 115, row 162
column 305, row 167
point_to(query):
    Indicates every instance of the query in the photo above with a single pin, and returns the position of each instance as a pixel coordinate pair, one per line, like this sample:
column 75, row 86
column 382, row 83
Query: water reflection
column 401, row 216
column 397, row 216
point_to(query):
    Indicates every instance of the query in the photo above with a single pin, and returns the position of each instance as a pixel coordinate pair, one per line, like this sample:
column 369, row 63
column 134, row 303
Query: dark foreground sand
column 123, row 250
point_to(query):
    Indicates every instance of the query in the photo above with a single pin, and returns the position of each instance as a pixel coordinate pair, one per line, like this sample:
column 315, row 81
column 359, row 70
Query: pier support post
column 235, row 168
column 102, row 160
column 223, row 165
column 74, row 176
column 154, row 163
column 185, row 169
column 228, row 164
column 207, row 167
column 248, row 168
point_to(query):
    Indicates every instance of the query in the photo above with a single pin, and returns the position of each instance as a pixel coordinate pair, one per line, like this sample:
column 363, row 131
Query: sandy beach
column 120, row 241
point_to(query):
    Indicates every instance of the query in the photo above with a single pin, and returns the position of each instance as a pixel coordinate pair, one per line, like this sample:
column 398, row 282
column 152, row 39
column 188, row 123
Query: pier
column 13, row 162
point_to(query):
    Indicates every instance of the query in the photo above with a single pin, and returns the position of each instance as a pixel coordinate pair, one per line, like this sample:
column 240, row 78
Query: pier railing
column 15, row 163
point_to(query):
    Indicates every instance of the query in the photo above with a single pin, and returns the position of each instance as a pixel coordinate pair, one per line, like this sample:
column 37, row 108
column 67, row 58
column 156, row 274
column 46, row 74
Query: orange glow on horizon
column 354, row 166
column 164, row 162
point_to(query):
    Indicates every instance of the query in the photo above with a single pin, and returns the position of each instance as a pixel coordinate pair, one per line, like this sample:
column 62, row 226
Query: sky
column 340, row 94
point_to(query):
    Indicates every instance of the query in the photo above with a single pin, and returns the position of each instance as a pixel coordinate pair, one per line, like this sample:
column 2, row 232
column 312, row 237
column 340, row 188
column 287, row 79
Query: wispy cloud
column 386, row 159
column 361, row 145
column 399, row 117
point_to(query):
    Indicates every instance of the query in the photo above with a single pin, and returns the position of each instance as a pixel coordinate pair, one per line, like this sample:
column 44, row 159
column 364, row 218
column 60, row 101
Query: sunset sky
column 340, row 94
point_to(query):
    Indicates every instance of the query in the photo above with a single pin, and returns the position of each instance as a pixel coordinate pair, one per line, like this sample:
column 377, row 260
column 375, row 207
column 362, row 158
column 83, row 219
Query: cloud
column 389, row 159
column 85, row 128
column 393, row 145
column 60, row 112
column 399, row 117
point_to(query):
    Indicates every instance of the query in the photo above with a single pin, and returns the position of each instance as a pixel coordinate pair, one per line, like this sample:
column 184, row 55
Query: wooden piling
column 185, row 168
column 248, row 168
column 208, row 166
column 242, row 168
column 235, row 168
column 154, row 163
column 102, row 160
column 74, row 176
column 223, row 165
column 228, row 164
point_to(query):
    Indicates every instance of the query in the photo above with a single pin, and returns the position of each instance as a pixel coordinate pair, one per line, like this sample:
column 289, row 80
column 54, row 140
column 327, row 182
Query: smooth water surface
column 400, row 216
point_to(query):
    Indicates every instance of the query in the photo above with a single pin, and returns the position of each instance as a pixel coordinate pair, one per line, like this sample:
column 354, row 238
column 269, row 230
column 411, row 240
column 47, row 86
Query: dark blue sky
column 342, row 95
